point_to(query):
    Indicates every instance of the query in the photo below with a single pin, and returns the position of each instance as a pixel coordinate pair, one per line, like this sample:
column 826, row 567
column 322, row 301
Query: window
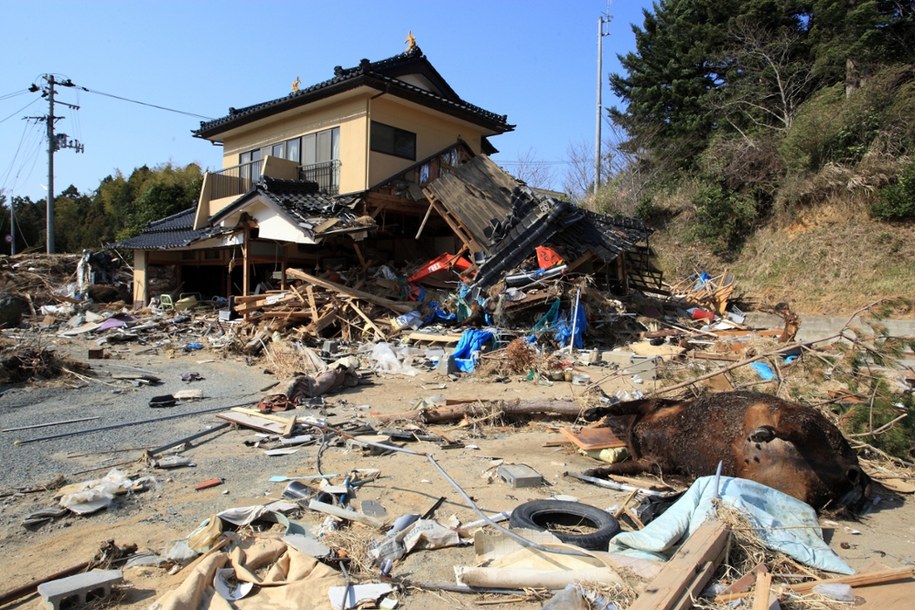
column 393, row 141
column 321, row 147
column 250, row 165
column 292, row 149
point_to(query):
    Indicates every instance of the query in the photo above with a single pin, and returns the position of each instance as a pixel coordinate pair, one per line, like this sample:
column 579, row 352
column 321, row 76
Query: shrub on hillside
column 724, row 218
column 897, row 200
column 833, row 128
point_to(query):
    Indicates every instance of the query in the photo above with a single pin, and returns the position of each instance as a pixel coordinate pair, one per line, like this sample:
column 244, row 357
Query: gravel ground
column 113, row 402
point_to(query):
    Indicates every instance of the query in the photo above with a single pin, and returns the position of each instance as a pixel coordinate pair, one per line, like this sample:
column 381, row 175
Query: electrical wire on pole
column 54, row 143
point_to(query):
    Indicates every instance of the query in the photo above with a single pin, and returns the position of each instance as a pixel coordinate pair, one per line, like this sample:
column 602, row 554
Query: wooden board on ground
column 891, row 595
column 255, row 422
column 435, row 338
column 684, row 576
column 593, row 438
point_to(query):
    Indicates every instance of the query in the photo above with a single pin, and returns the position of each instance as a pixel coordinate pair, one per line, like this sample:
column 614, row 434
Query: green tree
column 693, row 56
column 851, row 37
column 30, row 223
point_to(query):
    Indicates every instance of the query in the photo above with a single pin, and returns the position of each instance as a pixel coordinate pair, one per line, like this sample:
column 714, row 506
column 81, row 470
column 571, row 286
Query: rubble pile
column 331, row 541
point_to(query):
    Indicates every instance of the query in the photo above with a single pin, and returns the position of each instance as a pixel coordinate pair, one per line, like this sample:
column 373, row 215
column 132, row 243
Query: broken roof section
column 289, row 210
column 277, row 205
column 501, row 221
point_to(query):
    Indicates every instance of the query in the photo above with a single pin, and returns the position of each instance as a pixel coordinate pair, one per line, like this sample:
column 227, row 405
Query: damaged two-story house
column 342, row 174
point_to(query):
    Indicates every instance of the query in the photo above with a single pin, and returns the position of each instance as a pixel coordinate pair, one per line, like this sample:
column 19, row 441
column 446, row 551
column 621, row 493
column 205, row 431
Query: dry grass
column 829, row 259
column 352, row 543
column 287, row 360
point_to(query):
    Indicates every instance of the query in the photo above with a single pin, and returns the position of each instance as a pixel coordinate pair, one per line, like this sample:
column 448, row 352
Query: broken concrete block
column 519, row 475
column 620, row 358
column 78, row 588
column 644, row 367
column 447, row 366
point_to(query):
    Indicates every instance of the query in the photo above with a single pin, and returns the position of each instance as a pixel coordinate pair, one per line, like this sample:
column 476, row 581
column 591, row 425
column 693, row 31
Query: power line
column 20, row 110
column 127, row 99
column 13, row 94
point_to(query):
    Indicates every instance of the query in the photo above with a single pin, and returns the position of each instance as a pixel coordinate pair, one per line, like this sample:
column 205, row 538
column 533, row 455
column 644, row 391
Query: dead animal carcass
column 756, row 436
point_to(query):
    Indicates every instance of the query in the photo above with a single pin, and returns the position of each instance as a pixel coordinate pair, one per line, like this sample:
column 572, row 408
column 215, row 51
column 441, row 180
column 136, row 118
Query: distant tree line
column 750, row 107
column 117, row 209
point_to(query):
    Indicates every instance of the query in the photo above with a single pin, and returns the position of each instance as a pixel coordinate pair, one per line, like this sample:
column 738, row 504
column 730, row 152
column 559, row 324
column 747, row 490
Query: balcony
column 237, row 180
column 326, row 174
column 225, row 186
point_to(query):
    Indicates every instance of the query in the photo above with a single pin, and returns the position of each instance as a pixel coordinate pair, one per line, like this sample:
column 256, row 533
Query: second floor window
column 321, row 147
column 393, row 141
column 250, row 165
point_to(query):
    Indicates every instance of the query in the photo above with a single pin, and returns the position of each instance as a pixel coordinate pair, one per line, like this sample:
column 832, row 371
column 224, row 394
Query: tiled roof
column 175, row 231
column 302, row 201
column 381, row 75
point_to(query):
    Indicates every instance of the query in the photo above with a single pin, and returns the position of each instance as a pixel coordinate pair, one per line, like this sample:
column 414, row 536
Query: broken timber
column 394, row 306
column 686, row 573
column 568, row 409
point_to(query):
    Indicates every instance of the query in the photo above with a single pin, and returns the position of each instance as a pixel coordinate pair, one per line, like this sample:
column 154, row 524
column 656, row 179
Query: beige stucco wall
column 347, row 114
column 434, row 132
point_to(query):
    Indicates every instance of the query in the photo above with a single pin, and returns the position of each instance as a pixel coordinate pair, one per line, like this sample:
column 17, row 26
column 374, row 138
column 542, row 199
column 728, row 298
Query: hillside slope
column 829, row 259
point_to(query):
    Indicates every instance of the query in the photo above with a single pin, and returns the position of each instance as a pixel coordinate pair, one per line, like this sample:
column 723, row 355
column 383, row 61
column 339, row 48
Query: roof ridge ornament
column 295, row 84
column 410, row 40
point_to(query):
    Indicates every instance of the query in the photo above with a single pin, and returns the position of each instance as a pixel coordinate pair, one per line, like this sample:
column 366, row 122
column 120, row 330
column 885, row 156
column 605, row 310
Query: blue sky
column 534, row 60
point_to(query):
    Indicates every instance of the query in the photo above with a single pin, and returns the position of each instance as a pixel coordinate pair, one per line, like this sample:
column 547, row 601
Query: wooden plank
column 434, row 338
column 422, row 225
column 741, row 584
column 310, row 291
column 368, row 321
column 893, row 595
column 359, row 255
column 763, row 587
column 259, row 422
column 394, row 306
column 593, row 438
column 859, row 580
column 687, row 572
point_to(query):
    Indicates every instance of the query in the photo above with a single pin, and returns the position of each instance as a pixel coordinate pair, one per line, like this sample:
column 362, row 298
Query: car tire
column 538, row 514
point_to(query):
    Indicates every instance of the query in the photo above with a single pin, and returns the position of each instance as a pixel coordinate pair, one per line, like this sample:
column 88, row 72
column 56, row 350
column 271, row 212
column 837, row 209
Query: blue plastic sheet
column 764, row 371
column 468, row 348
column 785, row 523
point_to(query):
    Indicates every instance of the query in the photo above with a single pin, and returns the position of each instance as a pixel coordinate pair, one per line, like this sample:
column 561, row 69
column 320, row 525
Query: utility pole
column 54, row 143
column 12, row 228
column 601, row 21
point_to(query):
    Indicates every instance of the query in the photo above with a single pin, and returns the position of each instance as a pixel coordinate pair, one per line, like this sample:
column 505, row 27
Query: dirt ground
column 153, row 520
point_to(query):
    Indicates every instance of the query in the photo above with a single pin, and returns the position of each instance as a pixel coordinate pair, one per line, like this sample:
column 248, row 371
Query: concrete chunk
column 78, row 587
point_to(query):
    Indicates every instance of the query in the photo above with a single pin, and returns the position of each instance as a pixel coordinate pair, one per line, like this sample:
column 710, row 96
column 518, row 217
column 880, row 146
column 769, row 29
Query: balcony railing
column 236, row 180
column 326, row 174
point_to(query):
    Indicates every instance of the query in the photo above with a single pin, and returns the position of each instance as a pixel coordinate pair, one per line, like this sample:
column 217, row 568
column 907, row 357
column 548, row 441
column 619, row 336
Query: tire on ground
column 539, row 514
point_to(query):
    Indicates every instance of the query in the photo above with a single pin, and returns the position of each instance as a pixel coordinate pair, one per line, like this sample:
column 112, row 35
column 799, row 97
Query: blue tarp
column 468, row 347
column 785, row 523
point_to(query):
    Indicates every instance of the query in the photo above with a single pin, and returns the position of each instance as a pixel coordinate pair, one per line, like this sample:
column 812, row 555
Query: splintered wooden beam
column 310, row 291
column 686, row 573
column 394, row 306
column 378, row 334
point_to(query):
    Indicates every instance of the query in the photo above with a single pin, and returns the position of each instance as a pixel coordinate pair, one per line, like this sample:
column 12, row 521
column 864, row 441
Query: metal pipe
column 127, row 424
column 186, row 439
